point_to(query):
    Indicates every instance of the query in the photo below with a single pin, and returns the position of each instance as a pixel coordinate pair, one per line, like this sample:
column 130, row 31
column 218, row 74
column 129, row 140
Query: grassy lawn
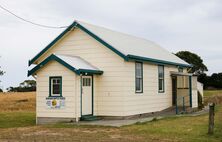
column 20, row 126
column 16, row 119
column 209, row 93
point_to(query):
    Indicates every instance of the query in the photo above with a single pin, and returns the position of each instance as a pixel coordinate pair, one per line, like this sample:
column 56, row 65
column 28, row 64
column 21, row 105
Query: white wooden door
column 86, row 95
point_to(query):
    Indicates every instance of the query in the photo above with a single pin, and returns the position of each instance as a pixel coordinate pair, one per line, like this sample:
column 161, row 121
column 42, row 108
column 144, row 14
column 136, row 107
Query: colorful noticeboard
column 55, row 102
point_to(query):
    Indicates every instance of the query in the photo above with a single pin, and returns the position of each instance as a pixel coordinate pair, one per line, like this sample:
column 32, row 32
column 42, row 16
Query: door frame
column 174, row 90
column 81, row 77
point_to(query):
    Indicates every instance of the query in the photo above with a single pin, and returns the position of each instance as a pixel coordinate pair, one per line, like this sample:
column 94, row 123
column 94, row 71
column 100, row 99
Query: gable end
column 73, row 25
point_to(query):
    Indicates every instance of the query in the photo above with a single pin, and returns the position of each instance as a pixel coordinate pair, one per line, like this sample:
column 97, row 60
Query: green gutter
column 90, row 71
column 54, row 57
column 156, row 61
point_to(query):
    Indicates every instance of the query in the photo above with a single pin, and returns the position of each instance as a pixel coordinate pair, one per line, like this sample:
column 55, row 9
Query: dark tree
column 26, row 86
column 198, row 66
column 211, row 82
column 203, row 78
column 1, row 72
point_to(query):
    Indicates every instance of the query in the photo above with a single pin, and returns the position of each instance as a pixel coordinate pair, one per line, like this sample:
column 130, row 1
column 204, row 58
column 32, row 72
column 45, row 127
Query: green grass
column 178, row 129
column 16, row 119
column 210, row 93
column 20, row 126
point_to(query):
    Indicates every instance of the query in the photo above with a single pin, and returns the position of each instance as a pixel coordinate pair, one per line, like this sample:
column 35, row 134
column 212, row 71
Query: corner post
column 190, row 90
column 211, row 119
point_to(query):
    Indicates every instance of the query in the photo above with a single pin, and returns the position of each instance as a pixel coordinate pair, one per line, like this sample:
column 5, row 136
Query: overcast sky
column 194, row 25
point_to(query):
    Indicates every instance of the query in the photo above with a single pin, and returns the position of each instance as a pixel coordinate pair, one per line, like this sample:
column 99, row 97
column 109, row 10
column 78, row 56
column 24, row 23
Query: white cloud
column 176, row 25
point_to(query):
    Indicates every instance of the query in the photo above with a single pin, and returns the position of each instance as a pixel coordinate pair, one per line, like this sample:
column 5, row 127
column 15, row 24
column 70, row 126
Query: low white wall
column 200, row 88
column 194, row 99
column 194, row 92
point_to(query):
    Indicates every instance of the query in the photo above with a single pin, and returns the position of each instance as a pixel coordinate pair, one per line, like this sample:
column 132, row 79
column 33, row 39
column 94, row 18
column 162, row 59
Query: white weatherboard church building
column 90, row 71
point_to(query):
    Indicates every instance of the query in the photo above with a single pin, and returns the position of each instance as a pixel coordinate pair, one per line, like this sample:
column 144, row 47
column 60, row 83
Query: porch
column 184, row 92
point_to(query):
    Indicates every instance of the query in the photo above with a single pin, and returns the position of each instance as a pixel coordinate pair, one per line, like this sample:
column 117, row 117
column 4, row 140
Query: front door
column 174, row 90
column 87, row 95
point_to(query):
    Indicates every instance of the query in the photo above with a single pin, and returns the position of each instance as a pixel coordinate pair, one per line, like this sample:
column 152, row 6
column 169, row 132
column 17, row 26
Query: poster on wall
column 55, row 102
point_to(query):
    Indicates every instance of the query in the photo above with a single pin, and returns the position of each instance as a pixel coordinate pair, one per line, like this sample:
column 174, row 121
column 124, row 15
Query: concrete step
column 88, row 118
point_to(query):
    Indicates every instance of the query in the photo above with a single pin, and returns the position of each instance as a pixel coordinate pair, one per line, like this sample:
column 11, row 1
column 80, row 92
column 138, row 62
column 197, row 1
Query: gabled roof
column 74, row 63
column 126, row 46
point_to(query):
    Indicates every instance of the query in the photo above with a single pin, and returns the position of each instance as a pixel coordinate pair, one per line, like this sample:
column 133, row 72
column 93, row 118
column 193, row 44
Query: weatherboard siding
column 68, row 91
column 114, row 90
column 150, row 100
column 107, row 87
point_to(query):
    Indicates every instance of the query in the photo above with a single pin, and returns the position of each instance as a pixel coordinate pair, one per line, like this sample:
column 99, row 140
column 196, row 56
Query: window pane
column 56, row 89
column 160, row 75
column 161, row 72
column 137, row 84
column 83, row 82
column 86, row 82
column 139, row 66
column 138, row 74
column 141, row 84
column 160, row 84
column 56, row 86
column 161, row 78
column 138, row 69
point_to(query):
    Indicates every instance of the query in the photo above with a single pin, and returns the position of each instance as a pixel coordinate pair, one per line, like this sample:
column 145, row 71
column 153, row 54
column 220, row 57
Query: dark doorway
column 174, row 90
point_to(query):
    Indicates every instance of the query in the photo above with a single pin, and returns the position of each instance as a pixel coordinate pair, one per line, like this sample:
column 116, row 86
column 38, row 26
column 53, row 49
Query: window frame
column 163, row 79
column 50, row 86
column 141, row 90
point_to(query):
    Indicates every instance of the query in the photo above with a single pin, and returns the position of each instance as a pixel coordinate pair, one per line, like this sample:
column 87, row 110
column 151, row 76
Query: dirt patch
column 217, row 99
column 43, row 133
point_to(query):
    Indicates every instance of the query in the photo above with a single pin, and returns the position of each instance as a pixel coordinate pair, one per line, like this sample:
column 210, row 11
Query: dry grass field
column 17, row 124
column 213, row 96
column 17, row 101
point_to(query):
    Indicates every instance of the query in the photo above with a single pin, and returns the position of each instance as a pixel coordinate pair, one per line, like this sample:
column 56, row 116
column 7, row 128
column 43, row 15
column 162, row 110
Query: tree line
column 25, row 86
column 211, row 82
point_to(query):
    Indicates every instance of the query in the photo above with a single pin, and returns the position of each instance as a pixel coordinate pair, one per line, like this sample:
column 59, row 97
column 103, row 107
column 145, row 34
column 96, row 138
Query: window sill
column 139, row 92
column 55, row 97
